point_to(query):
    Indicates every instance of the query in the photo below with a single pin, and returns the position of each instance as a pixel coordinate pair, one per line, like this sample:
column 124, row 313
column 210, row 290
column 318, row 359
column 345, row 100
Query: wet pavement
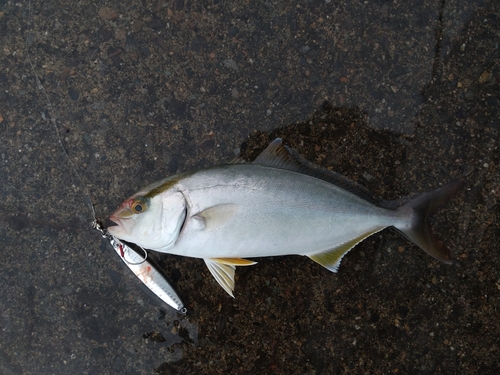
column 399, row 96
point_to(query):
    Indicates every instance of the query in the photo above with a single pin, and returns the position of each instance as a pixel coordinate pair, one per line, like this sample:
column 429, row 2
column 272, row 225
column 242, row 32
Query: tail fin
column 418, row 210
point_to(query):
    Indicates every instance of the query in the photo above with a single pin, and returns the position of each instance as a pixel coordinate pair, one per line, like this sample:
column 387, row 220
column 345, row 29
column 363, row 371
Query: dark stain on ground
column 304, row 310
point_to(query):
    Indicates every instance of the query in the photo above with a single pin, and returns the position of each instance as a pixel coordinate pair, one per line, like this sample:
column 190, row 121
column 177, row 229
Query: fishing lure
column 144, row 270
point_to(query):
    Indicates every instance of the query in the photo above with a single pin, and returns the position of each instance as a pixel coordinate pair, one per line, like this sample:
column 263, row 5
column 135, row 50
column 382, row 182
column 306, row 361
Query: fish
column 279, row 204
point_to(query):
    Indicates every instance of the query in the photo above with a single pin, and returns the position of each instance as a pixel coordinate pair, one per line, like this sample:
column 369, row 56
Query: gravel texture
column 399, row 96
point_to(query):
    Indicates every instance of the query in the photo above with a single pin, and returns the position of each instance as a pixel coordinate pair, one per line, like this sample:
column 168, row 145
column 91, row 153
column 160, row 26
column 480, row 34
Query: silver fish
column 277, row 205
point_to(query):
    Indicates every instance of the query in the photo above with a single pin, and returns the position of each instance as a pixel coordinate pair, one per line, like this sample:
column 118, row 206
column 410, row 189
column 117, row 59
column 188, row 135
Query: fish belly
column 278, row 212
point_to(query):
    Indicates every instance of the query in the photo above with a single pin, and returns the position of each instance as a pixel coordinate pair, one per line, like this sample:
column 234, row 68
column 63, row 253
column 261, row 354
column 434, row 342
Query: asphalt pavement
column 99, row 99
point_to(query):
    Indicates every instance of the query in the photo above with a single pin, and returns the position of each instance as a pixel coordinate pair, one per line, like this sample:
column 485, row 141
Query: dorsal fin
column 277, row 155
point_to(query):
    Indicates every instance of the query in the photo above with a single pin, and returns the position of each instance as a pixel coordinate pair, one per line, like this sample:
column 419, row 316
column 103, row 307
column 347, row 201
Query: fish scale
column 273, row 216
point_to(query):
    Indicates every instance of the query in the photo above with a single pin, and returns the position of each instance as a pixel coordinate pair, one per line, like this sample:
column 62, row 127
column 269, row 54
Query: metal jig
column 144, row 270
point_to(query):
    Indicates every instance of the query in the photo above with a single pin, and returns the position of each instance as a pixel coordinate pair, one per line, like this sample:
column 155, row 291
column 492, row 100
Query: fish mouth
column 120, row 228
column 115, row 219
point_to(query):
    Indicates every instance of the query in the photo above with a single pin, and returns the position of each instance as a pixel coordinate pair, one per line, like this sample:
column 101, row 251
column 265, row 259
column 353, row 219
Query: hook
column 124, row 248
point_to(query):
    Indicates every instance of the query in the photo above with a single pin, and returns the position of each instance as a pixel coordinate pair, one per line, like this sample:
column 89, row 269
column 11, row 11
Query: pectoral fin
column 331, row 259
column 216, row 216
column 223, row 270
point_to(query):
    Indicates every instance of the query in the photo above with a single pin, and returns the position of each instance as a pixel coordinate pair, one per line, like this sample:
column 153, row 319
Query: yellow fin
column 216, row 216
column 222, row 269
column 234, row 261
column 223, row 273
column 331, row 259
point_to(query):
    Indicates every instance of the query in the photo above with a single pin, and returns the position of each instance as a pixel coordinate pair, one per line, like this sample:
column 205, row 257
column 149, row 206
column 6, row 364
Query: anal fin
column 223, row 269
column 331, row 259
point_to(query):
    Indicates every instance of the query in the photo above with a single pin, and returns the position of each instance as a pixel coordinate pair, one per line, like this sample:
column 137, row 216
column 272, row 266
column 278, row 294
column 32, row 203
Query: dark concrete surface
column 399, row 96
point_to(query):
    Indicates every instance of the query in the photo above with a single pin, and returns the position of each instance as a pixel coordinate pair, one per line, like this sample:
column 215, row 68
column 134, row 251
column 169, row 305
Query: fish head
column 152, row 222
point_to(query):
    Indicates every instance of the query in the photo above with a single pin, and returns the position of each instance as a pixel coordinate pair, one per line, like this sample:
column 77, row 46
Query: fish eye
column 139, row 206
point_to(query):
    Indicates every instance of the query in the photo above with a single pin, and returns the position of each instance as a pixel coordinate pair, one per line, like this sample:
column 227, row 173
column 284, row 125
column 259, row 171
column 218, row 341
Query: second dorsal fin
column 277, row 155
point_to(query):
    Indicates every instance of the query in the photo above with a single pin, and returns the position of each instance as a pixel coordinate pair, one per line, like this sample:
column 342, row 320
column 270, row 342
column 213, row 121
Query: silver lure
column 145, row 271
